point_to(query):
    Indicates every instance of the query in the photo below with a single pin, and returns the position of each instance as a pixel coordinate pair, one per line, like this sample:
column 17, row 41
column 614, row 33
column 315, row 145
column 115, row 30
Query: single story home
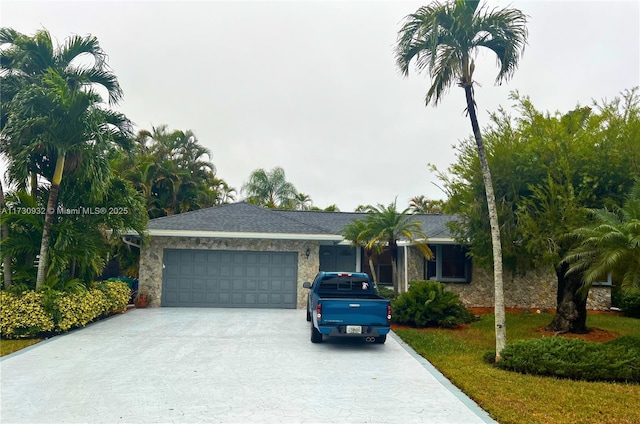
column 242, row 255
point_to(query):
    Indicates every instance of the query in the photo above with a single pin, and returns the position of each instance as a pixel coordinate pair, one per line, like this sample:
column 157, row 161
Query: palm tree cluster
column 55, row 124
column 173, row 172
column 421, row 204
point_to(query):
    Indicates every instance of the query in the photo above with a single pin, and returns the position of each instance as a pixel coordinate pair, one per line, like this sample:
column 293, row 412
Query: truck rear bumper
column 341, row 331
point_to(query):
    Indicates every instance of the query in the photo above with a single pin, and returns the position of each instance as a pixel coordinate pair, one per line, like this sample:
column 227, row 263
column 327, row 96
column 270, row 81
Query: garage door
column 232, row 279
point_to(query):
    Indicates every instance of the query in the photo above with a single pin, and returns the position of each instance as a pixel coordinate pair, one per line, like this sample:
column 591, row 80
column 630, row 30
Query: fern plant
column 428, row 304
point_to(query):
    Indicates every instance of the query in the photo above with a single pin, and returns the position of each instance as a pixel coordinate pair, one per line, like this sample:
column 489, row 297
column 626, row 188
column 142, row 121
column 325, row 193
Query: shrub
column 23, row 315
column 32, row 314
column 617, row 360
column 428, row 304
column 629, row 301
column 118, row 294
column 79, row 309
column 386, row 292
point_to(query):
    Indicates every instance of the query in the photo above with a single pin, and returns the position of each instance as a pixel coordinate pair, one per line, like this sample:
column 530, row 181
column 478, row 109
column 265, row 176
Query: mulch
column 594, row 334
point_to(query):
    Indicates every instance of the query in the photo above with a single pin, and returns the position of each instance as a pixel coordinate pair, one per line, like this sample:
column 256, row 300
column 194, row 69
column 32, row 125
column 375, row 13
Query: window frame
column 437, row 251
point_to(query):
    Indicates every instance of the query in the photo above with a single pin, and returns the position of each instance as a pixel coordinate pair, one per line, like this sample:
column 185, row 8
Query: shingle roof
column 246, row 218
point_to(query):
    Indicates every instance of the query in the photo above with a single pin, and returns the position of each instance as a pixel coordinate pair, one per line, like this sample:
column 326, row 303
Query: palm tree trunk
column 34, row 185
column 4, row 234
column 393, row 247
column 499, row 308
column 48, row 219
column 394, row 273
column 373, row 272
column 571, row 315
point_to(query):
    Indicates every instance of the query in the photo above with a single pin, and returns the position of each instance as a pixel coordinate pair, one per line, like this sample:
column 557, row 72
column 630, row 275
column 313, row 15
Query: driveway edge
column 481, row 413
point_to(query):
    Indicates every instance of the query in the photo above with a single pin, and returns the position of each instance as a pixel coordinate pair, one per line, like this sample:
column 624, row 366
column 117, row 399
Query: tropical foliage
column 428, row 304
column 610, row 244
column 421, row 204
column 54, row 125
column 564, row 163
column 270, row 189
column 444, row 38
column 173, row 172
column 382, row 228
column 302, row 202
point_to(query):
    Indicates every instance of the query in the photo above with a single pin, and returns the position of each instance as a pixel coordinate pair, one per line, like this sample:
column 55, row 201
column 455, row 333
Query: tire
column 316, row 336
column 381, row 339
column 308, row 313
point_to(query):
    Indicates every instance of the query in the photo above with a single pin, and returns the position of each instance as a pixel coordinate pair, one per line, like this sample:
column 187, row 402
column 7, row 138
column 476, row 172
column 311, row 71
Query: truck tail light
column 319, row 312
column 389, row 313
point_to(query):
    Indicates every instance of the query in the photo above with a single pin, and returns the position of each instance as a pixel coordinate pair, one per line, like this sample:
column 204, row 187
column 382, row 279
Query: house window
column 385, row 274
column 449, row 265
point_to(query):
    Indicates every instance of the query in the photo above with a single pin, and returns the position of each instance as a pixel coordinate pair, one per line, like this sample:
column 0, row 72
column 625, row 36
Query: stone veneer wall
column 151, row 259
column 599, row 298
column 535, row 289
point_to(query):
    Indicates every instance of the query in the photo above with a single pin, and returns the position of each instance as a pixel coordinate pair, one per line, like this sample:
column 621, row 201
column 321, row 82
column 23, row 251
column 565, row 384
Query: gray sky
column 312, row 87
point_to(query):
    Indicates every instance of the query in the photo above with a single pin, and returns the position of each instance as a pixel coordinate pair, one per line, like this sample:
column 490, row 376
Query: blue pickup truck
column 346, row 304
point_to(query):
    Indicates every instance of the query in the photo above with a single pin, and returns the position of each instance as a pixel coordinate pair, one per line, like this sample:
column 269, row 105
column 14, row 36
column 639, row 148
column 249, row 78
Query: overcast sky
column 312, row 87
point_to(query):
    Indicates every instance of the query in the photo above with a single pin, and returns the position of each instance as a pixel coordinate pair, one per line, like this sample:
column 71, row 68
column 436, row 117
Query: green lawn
column 515, row 398
column 10, row 346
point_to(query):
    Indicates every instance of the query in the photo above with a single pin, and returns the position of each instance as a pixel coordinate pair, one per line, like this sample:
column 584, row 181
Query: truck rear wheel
column 381, row 339
column 316, row 336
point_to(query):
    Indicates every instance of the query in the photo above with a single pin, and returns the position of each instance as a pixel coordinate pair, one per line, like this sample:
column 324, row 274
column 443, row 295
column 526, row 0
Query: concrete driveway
column 178, row 365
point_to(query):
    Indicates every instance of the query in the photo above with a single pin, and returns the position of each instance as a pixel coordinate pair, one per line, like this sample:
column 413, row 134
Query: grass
column 515, row 398
column 10, row 346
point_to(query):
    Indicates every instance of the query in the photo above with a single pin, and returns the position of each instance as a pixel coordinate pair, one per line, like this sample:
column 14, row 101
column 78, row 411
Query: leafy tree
column 270, row 189
column 383, row 227
column 610, row 244
column 55, row 116
column 443, row 38
column 548, row 168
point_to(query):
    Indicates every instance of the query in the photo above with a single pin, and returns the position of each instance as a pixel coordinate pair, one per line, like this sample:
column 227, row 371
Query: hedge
column 616, row 360
column 40, row 314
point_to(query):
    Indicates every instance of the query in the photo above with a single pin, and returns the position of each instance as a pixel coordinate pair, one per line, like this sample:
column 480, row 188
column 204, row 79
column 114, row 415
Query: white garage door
column 228, row 278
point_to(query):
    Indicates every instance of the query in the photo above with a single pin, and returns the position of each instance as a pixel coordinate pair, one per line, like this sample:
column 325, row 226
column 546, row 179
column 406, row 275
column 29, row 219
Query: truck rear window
column 344, row 283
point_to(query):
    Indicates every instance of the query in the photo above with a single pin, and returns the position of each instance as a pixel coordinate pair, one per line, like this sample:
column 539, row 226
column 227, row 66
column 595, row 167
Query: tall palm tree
column 56, row 114
column 444, row 38
column 610, row 244
column 270, row 189
column 383, row 227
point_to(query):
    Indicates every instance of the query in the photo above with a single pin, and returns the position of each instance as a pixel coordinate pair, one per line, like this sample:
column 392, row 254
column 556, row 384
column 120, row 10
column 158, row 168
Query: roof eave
column 244, row 235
